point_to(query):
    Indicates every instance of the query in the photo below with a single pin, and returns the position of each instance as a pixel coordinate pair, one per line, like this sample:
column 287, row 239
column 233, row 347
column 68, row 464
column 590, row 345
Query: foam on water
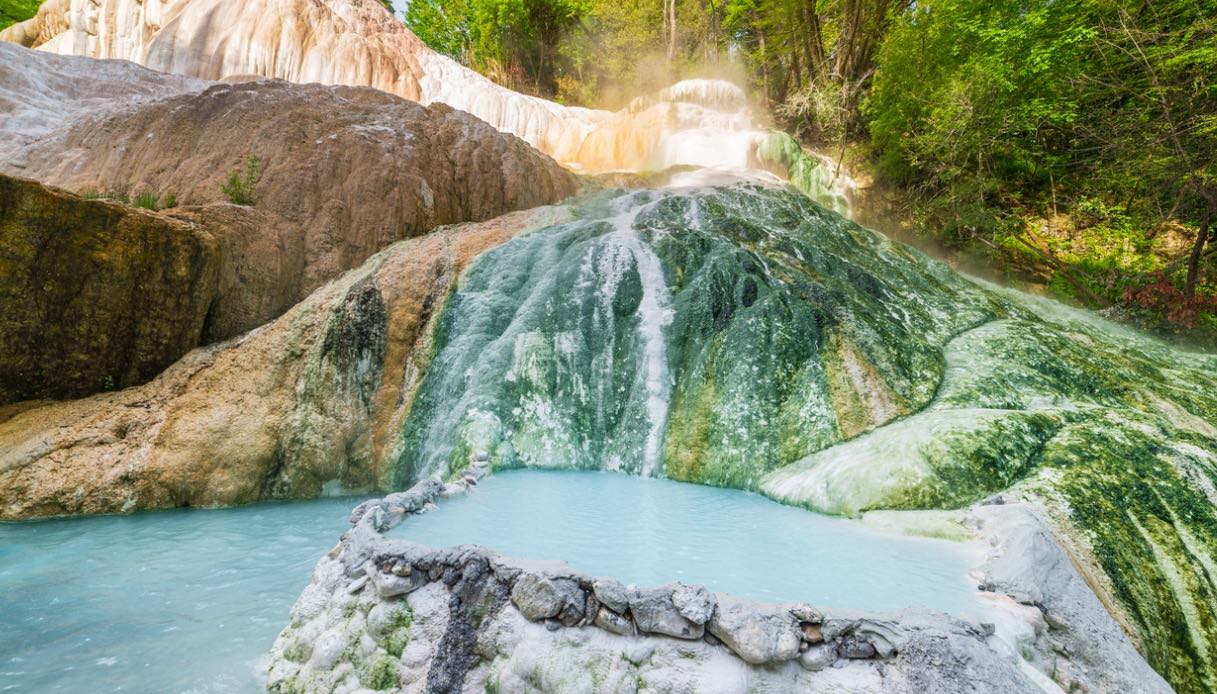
column 179, row 601
column 653, row 531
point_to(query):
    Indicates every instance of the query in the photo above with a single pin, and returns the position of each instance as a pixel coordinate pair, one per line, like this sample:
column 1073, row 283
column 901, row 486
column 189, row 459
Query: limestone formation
column 343, row 171
column 310, row 398
column 95, row 295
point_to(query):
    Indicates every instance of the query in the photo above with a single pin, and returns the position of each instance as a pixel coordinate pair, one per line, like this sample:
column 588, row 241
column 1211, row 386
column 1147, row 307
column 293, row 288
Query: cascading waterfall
column 705, row 333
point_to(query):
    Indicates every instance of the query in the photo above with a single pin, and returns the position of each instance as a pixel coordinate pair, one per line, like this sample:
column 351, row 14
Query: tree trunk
column 670, row 21
column 1193, row 263
column 764, row 67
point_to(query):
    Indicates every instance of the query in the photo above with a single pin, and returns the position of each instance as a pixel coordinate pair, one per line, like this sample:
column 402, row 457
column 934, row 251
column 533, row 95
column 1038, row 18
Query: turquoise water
column 155, row 602
column 652, row 531
column 191, row 601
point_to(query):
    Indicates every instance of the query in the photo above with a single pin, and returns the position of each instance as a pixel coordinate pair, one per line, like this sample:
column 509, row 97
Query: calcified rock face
column 357, row 42
column 315, row 396
column 95, row 295
column 344, row 172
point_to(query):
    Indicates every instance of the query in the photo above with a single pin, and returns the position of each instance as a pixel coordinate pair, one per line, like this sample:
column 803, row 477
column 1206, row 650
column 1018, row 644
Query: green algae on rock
column 743, row 336
column 711, row 335
column 809, row 173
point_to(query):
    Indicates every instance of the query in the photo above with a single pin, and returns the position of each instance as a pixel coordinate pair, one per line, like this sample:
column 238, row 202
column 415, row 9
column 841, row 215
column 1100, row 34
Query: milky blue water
column 191, row 601
column 652, row 531
column 155, row 602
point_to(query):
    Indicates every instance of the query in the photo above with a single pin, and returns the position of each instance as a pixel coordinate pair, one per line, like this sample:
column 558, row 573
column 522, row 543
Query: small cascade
column 709, row 333
column 654, row 316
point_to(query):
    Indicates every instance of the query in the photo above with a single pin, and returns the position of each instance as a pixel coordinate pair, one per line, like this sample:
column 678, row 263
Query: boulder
column 611, row 593
column 694, row 603
column 758, row 633
column 817, row 658
column 655, row 613
column 612, row 622
column 541, row 597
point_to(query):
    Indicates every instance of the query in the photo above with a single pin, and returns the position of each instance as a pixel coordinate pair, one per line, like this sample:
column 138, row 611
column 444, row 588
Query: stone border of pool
column 329, row 646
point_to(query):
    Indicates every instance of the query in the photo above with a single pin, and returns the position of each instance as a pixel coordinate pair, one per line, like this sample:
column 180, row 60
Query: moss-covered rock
column 95, row 295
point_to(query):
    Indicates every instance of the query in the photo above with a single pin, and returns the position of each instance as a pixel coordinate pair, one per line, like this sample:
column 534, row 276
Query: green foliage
column 989, row 112
column 13, row 11
column 239, row 186
column 514, row 41
column 146, row 200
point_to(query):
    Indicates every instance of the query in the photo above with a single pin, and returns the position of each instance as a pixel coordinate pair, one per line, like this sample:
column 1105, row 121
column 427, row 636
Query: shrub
column 239, row 186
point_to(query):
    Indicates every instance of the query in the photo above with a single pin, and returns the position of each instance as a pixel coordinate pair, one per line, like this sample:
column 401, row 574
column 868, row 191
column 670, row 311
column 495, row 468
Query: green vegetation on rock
column 746, row 337
column 240, row 184
column 13, row 11
column 722, row 335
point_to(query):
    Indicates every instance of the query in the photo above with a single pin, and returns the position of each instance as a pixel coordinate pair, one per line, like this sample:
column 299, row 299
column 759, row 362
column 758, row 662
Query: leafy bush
column 239, row 186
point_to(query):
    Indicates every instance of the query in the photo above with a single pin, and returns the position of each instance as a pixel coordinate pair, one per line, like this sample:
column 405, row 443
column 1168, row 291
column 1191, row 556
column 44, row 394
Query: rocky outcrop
column 358, row 43
column 96, row 295
column 314, row 398
column 343, row 172
column 382, row 613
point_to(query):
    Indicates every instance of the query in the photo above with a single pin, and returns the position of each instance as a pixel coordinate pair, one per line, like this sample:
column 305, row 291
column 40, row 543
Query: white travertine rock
column 357, row 42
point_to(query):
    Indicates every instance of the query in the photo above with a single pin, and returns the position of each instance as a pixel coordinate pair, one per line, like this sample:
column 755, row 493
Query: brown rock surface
column 94, row 295
column 345, row 172
column 315, row 396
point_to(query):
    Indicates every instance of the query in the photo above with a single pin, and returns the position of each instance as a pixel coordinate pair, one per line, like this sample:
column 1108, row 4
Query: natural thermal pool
column 155, row 602
column 191, row 600
column 652, row 531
